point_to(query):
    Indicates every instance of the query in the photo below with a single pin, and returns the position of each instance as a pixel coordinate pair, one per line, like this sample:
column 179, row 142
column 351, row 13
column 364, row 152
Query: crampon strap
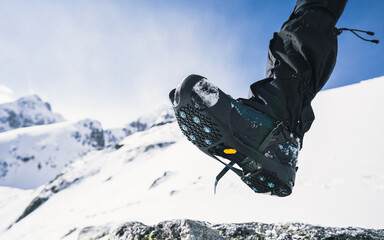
column 239, row 172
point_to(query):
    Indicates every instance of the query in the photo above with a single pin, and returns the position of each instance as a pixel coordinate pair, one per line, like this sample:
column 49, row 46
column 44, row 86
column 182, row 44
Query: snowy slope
column 25, row 112
column 33, row 156
column 156, row 175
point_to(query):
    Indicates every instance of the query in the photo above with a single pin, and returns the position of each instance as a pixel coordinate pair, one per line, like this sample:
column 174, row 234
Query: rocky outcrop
column 294, row 231
column 197, row 230
column 176, row 229
column 26, row 112
column 89, row 233
column 90, row 133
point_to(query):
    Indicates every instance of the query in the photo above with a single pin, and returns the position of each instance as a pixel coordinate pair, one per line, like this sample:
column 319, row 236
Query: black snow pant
column 301, row 58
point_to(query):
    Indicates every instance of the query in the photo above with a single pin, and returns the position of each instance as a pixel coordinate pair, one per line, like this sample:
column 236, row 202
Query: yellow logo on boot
column 230, row 151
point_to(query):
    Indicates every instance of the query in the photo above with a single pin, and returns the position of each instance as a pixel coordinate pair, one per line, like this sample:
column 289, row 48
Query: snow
column 289, row 149
column 12, row 204
column 158, row 175
column 33, row 156
column 208, row 93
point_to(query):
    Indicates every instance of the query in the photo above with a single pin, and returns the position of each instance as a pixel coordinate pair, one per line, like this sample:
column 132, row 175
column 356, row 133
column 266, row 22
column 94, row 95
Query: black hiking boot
column 223, row 127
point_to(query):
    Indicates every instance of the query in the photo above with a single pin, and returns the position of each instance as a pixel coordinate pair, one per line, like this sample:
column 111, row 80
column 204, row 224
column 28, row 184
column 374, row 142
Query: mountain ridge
column 33, row 154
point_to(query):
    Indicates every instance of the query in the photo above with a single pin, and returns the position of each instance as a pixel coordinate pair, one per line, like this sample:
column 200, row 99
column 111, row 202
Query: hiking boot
column 233, row 133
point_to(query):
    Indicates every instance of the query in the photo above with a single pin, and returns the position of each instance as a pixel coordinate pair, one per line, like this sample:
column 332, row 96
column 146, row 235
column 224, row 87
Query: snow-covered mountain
column 155, row 174
column 26, row 112
column 34, row 155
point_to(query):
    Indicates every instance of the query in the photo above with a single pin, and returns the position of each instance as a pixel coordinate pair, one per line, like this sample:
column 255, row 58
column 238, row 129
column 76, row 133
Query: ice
column 289, row 150
column 268, row 154
column 208, row 92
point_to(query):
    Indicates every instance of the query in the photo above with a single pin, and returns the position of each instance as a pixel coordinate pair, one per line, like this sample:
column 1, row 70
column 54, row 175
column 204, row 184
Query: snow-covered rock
column 176, row 229
column 187, row 229
column 26, row 112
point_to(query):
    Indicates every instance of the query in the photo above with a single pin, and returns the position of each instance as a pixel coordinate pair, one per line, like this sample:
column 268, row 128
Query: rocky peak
column 25, row 112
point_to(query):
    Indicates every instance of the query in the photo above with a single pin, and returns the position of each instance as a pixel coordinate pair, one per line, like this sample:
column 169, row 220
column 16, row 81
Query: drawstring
column 340, row 30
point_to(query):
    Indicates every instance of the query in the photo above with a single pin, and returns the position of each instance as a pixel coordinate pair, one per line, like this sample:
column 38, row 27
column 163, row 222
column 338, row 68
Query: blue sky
column 115, row 60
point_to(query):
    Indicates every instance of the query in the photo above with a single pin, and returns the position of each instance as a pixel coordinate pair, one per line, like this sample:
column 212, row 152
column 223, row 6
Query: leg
column 301, row 58
column 258, row 134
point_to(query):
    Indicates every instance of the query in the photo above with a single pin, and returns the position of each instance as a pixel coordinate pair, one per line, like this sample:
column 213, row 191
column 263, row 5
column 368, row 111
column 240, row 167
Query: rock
column 167, row 230
column 294, row 231
column 159, row 180
column 90, row 133
column 36, row 202
column 197, row 230
column 93, row 233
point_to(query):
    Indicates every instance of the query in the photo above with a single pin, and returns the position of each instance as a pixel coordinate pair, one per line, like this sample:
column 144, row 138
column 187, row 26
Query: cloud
column 5, row 94
column 114, row 60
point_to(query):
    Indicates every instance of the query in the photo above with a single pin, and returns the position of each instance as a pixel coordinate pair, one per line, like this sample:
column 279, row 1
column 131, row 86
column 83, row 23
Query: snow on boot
column 225, row 128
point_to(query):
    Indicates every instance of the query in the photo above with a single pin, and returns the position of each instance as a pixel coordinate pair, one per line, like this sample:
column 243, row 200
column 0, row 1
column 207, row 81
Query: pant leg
column 301, row 58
